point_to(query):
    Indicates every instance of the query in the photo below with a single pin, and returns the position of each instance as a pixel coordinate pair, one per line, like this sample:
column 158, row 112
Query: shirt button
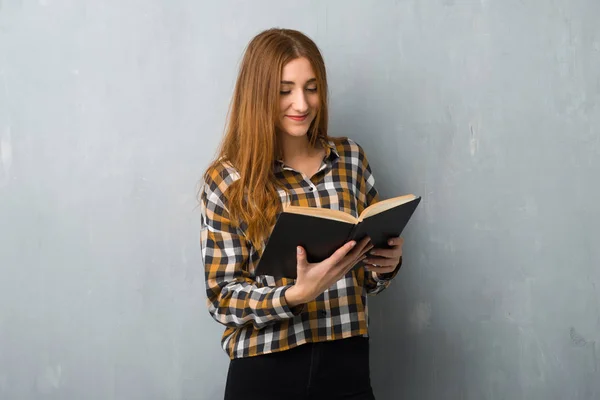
column 311, row 188
column 322, row 313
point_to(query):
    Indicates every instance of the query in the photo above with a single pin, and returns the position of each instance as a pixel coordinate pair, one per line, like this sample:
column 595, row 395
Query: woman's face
column 299, row 99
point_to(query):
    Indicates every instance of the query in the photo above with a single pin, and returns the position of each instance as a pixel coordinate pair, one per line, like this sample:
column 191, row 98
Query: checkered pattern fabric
column 253, row 308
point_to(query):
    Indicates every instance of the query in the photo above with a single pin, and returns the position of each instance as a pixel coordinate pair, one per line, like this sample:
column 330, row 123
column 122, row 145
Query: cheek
column 283, row 106
column 314, row 101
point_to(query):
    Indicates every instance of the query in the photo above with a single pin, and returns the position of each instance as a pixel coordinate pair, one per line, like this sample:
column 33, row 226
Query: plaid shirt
column 253, row 308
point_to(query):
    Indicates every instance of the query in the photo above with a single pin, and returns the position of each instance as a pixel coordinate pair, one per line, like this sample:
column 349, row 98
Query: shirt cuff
column 280, row 304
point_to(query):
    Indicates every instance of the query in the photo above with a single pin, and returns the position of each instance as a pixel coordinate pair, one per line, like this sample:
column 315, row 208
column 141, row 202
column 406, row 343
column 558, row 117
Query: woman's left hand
column 384, row 261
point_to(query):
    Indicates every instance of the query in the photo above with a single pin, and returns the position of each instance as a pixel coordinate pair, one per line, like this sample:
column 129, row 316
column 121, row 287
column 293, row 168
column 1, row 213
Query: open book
column 321, row 231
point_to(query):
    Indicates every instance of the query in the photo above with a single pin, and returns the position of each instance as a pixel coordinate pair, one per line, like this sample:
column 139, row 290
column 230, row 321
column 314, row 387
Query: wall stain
column 580, row 341
column 577, row 339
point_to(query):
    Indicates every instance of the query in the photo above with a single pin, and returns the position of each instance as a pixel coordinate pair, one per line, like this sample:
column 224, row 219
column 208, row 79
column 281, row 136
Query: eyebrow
column 292, row 83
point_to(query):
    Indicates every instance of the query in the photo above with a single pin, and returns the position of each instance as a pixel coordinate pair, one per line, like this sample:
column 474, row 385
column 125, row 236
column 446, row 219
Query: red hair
column 250, row 143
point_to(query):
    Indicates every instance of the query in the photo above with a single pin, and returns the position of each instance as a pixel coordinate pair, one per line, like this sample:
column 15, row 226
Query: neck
column 295, row 147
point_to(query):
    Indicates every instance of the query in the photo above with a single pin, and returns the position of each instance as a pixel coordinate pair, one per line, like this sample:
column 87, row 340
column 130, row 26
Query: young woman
column 302, row 338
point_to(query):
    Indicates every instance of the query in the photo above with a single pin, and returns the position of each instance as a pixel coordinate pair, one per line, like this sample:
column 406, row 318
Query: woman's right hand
column 314, row 278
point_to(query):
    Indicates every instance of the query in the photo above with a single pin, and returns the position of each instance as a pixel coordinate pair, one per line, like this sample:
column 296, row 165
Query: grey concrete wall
column 110, row 110
column 490, row 110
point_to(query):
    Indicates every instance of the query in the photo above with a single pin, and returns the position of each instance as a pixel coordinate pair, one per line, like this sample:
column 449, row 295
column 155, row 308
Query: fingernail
column 299, row 250
column 352, row 244
column 390, row 242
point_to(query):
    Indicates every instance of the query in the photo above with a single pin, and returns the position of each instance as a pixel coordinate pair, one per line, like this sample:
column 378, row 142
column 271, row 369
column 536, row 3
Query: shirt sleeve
column 234, row 299
column 368, row 195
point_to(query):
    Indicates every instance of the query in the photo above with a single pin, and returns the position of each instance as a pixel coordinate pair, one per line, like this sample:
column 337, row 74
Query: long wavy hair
column 250, row 143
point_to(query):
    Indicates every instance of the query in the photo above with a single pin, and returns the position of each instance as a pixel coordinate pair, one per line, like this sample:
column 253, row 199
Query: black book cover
column 317, row 235
column 321, row 237
column 383, row 226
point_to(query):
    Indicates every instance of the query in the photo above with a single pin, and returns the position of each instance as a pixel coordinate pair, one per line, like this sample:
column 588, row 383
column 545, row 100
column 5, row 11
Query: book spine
column 352, row 233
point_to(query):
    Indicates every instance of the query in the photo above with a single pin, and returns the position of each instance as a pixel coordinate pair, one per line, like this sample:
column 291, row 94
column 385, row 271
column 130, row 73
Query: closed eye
column 284, row 92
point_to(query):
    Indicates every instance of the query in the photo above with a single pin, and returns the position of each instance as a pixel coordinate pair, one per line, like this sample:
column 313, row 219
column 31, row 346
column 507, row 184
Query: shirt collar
column 331, row 151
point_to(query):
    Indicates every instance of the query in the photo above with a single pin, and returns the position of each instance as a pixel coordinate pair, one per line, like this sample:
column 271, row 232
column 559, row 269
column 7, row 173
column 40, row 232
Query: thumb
column 301, row 256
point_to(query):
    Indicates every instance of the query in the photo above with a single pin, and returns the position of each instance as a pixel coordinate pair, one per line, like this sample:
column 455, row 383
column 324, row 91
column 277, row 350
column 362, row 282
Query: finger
column 368, row 248
column 360, row 248
column 396, row 241
column 363, row 244
column 353, row 257
column 340, row 253
column 387, row 253
column 349, row 261
column 363, row 253
column 351, row 265
column 301, row 256
column 380, row 270
column 381, row 261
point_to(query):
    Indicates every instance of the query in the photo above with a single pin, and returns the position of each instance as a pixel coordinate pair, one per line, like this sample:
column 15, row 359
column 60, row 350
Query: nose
column 299, row 103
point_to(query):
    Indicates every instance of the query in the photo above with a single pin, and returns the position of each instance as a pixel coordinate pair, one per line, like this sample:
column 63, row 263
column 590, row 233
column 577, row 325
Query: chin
column 296, row 132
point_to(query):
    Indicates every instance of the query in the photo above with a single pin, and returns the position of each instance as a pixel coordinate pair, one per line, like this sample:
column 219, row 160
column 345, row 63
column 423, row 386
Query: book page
column 318, row 212
column 385, row 205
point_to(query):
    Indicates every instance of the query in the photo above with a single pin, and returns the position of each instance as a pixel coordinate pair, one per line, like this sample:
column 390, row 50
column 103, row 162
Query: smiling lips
column 298, row 118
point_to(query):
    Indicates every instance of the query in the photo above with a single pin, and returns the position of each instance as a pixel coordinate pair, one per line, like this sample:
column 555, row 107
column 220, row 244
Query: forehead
column 299, row 70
